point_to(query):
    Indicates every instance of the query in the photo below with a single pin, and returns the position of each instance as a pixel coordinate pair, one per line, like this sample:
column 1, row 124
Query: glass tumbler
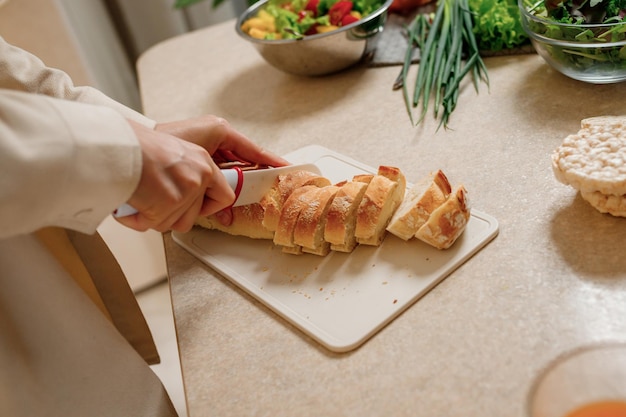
column 589, row 381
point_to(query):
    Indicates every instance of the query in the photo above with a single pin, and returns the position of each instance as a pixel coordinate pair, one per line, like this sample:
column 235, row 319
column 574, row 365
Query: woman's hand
column 179, row 182
column 224, row 143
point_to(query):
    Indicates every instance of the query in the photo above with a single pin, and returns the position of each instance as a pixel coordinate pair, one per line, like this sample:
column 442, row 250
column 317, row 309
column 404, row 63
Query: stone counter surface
column 552, row 280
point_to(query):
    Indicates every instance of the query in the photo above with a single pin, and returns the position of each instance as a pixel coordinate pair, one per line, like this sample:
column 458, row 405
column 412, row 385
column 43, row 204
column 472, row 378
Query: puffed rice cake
column 594, row 159
column 612, row 204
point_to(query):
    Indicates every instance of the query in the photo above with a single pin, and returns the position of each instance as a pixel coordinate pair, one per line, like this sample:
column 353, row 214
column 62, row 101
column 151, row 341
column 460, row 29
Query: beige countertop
column 552, row 280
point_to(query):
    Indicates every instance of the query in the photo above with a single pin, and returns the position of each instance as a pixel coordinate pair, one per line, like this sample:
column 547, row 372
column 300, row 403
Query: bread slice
column 447, row 222
column 247, row 221
column 309, row 231
column 284, row 185
column 366, row 178
column 382, row 197
column 341, row 216
column 419, row 202
column 297, row 200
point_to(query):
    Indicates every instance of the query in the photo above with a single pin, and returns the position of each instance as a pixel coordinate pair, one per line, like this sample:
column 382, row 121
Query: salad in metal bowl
column 294, row 19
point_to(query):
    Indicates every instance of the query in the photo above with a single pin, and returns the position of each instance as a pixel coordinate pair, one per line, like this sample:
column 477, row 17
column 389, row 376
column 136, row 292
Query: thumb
column 225, row 216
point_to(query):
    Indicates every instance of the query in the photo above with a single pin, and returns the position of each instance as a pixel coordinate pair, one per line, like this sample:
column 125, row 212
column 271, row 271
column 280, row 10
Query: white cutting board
column 342, row 299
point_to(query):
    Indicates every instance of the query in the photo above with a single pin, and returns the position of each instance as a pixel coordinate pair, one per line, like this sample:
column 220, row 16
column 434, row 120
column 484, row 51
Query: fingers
column 225, row 217
column 240, row 147
column 180, row 215
column 179, row 182
column 218, row 137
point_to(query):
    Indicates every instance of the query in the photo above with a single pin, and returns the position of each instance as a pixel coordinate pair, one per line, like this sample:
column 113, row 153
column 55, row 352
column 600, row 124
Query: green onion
column 444, row 39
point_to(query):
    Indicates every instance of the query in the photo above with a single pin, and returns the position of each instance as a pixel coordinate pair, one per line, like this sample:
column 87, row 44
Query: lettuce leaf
column 497, row 24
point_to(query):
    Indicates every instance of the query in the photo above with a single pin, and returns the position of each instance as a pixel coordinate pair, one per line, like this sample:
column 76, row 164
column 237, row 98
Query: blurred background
column 98, row 41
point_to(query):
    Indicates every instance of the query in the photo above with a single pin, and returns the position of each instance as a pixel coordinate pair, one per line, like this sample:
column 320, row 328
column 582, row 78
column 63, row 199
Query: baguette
column 284, row 185
column 309, row 231
column 382, row 197
column 341, row 216
column 317, row 217
column 447, row 222
column 247, row 221
column 297, row 200
column 365, row 178
column 419, row 202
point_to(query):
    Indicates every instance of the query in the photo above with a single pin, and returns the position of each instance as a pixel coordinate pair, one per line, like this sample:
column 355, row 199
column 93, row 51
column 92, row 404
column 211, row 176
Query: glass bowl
column 323, row 53
column 594, row 53
column 585, row 381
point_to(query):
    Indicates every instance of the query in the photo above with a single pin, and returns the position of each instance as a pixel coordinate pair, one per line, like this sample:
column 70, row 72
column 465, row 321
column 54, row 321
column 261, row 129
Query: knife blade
column 249, row 186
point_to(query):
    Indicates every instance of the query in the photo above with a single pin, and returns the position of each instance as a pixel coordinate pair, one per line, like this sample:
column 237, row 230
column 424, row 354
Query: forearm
column 62, row 163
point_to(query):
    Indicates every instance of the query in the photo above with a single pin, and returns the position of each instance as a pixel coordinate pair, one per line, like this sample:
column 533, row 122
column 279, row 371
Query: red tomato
column 338, row 11
column 311, row 6
column 347, row 19
column 312, row 30
column 407, row 5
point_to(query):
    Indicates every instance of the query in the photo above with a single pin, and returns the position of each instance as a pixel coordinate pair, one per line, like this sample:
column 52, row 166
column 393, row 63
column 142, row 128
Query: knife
column 249, row 186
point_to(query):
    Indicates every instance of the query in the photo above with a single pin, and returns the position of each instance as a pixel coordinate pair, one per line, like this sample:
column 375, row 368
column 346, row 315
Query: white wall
column 101, row 49
column 151, row 21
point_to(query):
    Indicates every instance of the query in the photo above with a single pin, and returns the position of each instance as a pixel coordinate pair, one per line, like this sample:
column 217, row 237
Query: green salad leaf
column 497, row 24
column 292, row 23
column 584, row 11
column 582, row 22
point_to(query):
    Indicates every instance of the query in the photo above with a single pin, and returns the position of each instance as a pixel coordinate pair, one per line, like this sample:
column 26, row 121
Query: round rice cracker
column 594, row 159
column 606, row 203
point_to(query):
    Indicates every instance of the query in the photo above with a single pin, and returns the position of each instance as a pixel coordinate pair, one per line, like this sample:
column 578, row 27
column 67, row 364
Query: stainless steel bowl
column 323, row 53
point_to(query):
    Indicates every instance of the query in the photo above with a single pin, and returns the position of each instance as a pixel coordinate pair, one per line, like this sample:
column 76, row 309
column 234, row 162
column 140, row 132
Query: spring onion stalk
column 416, row 36
column 448, row 52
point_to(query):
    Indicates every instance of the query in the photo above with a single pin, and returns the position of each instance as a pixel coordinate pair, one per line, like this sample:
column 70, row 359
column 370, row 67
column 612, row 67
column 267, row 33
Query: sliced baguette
column 382, row 197
column 247, row 221
column 366, row 178
column 297, row 200
column 284, row 185
column 341, row 216
column 419, row 202
column 447, row 222
column 309, row 231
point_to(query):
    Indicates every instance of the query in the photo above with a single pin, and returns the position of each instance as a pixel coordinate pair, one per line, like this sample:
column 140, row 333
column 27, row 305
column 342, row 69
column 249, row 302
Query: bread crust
column 297, row 200
column 284, row 185
column 418, row 203
column 365, row 178
column 309, row 231
column 382, row 197
column 247, row 221
column 341, row 216
column 447, row 222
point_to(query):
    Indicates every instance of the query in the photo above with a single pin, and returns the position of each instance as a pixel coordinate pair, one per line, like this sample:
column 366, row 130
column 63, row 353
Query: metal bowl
column 593, row 53
column 323, row 53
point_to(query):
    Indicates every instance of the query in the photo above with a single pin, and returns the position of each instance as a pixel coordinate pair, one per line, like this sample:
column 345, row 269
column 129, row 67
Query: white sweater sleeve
column 23, row 71
column 62, row 163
